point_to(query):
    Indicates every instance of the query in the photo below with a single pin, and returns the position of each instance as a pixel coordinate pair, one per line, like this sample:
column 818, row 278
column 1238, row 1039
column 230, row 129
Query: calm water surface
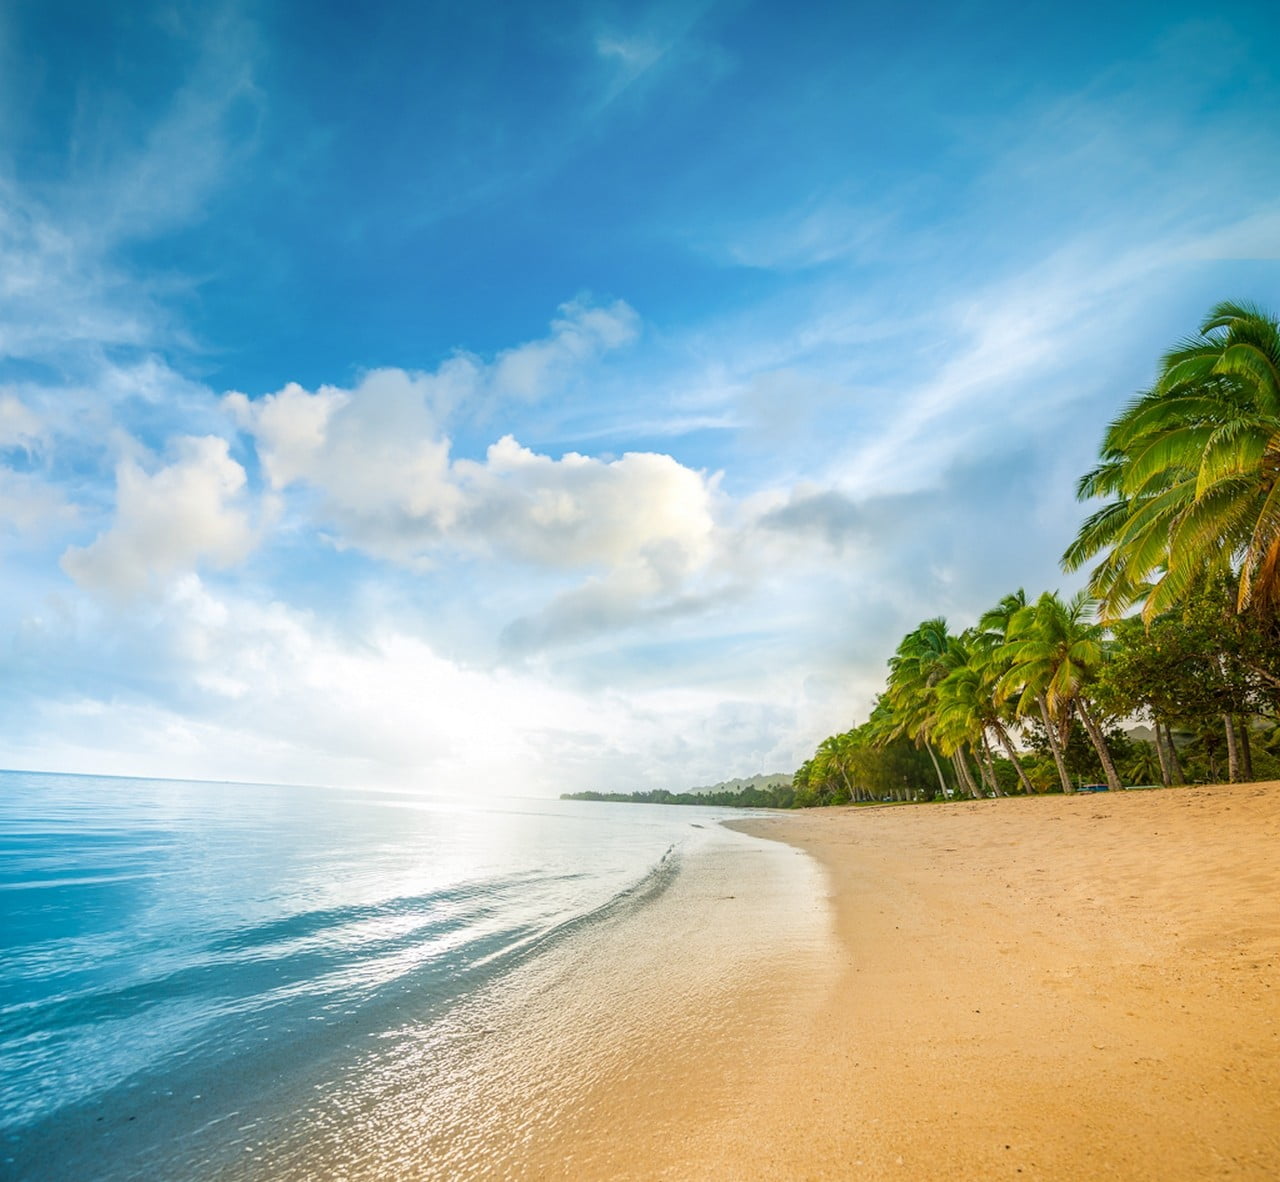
column 178, row 955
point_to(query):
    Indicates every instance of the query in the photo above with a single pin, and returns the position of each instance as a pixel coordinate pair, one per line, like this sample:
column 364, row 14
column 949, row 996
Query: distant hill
column 760, row 781
column 755, row 792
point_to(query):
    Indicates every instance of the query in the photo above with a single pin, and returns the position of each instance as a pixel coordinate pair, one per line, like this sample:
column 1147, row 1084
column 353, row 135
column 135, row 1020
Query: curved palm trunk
column 975, row 788
column 942, row 783
column 1165, row 778
column 1233, row 754
column 963, row 774
column 1054, row 745
column 989, row 767
column 1099, row 745
column 1007, row 744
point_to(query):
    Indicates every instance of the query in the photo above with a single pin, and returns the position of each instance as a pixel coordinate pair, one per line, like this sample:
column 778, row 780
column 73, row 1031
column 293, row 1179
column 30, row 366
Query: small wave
column 630, row 899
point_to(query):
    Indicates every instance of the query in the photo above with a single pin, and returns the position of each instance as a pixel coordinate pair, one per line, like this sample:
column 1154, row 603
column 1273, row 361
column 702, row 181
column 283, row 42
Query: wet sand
column 1059, row 988
column 1048, row 988
column 609, row 1055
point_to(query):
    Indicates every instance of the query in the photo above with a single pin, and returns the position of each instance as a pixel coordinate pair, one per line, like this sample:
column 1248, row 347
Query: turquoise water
column 177, row 954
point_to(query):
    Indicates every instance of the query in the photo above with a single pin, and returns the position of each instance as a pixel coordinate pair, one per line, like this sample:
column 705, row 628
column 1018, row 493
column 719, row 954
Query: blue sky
column 530, row 397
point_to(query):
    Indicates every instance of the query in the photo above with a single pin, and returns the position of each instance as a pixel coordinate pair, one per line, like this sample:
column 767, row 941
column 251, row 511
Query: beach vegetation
column 1189, row 469
column 774, row 793
column 1165, row 668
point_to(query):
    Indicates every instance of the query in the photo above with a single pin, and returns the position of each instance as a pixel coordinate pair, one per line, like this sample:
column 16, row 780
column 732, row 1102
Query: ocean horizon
column 188, row 964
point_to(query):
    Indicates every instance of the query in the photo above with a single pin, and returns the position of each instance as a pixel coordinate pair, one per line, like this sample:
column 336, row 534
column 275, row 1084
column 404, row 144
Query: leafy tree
column 1143, row 766
column 923, row 658
column 1185, row 668
column 1055, row 653
column 1191, row 468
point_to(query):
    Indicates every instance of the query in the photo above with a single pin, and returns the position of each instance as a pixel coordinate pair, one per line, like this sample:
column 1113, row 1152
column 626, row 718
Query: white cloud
column 642, row 528
column 635, row 53
column 258, row 690
column 579, row 334
column 378, row 461
column 583, row 512
column 169, row 521
column 374, row 453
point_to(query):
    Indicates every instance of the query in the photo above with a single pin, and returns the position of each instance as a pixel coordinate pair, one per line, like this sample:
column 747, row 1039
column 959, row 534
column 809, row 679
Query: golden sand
column 1068, row 988
column 1065, row 987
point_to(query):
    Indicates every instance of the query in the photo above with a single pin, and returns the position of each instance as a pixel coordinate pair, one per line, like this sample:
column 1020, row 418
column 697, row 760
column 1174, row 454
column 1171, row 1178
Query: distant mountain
column 761, row 781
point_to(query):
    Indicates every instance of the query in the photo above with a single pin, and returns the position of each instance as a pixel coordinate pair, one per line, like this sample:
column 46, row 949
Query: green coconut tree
column 1190, row 474
column 1055, row 651
column 923, row 658
column 1012, row 619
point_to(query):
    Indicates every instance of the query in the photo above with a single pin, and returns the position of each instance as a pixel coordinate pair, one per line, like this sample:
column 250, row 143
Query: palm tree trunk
column 1246, row 751
column 1054, row 745
column 1233, row 755
column 1179, row 777
column 979, row 781
column 1162, row 756
column 962, row 771
column 975, row 789
column 1007, row 744
column 937, row 768
column 1099, row 745
column 990, row 765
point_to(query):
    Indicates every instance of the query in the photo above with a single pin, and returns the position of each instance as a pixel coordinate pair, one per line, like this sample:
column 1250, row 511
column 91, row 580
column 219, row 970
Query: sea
column 189, row 969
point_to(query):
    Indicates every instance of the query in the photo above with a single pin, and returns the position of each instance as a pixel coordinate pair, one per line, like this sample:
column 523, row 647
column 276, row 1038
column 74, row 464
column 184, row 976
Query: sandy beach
column 1030, row 988
column 1062, row 987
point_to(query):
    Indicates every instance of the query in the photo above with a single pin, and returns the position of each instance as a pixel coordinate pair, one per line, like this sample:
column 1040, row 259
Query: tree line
column 775, row 795
column 1178, row 626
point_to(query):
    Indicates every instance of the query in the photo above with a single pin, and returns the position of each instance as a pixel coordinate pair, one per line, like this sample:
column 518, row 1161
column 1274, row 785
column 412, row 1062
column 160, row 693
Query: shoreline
column 611, row 1056
column 1030, row 987
column 1045, row 987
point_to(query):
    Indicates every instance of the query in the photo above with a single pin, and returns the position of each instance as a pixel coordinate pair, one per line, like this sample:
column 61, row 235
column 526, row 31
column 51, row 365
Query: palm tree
column 833, row 763
column 1013, row 619
column 1192, row 468
column 989, row 639
column 965, row 711
column 1144, row 766
column 1054, row 653
column 922, row 660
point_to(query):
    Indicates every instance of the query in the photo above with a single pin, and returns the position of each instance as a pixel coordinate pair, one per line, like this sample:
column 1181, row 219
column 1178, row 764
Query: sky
column 526, row 398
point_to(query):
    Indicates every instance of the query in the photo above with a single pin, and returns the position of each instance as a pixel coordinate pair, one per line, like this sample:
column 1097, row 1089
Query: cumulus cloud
column 168, row 521
column 380, row 466
column 579, row 512
column 374, row 454
column 377, row 455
